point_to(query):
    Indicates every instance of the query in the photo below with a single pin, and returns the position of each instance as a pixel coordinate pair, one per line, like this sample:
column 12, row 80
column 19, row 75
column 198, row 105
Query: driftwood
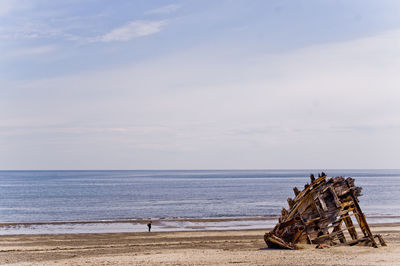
column 322, row 214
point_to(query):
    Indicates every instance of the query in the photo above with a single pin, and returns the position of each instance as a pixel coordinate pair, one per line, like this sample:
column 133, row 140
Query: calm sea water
column 42, row 196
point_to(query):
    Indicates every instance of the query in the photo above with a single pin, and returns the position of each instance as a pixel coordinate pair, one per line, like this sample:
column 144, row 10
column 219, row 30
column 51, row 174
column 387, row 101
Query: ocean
column 171, row 195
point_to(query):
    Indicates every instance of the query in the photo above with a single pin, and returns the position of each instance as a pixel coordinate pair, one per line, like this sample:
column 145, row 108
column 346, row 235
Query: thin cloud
column 131, row 30
column 30, row 51
column 164, row 10
column 321, row 96
column 7, row 6
column 30, row 30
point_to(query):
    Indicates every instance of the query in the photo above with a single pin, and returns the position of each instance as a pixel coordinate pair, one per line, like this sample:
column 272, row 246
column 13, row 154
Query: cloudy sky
column 100, row 84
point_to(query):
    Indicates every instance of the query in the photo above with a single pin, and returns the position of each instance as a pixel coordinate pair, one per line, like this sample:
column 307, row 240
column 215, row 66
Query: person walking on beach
column 149, row 226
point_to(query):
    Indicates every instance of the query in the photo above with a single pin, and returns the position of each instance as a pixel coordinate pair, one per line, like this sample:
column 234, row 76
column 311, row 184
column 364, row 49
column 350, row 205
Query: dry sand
column 245, row 247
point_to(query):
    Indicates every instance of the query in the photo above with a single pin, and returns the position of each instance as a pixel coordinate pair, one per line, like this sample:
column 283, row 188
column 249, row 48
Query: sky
column 228, row 84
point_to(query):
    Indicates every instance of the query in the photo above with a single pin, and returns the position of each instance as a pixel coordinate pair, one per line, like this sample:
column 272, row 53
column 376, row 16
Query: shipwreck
column 325, row 212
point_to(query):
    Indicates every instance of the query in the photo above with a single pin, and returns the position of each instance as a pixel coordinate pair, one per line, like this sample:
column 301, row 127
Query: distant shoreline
column 137, row 225
column 145, row 220
column 159, row 225
column 173, row 219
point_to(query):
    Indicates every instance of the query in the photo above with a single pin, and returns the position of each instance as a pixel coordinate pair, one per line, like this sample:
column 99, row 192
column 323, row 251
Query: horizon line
column 211, row 169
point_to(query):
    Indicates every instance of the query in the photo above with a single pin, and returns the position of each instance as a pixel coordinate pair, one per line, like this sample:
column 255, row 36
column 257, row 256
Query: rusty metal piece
column 322, row 214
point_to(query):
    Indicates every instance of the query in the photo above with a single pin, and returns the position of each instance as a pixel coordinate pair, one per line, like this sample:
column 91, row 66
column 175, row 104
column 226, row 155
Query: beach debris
column 322, row 246
column 324, row 212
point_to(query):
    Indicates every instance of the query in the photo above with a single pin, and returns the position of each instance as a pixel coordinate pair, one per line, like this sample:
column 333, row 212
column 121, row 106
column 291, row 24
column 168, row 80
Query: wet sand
column 136, row 225
column 240, row 247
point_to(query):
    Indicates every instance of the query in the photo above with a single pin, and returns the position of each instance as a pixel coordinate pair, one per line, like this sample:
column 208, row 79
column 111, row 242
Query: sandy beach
column 239, row 247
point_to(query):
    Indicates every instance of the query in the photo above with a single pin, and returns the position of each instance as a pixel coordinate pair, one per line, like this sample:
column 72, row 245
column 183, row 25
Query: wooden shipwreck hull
column 322, row 214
